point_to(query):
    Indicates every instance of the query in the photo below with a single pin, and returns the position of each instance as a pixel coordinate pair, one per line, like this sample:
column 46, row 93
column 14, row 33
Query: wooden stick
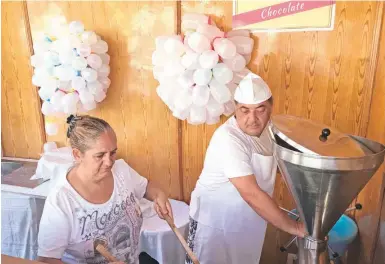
column 181, row 239
column 105, row 253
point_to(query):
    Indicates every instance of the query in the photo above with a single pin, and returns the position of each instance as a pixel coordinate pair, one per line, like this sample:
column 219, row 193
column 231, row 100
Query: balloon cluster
column 196, row 71
column 71, row 69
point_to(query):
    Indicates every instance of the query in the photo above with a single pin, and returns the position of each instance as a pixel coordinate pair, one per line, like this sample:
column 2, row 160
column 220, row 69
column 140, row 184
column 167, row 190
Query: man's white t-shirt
column 229, row 154
column 71, row 227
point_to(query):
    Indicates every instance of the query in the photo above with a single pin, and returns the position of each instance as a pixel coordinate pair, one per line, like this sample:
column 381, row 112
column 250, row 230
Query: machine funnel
column 323, row 168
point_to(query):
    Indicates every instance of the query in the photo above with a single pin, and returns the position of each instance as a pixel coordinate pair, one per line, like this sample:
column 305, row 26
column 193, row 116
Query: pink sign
column 276, row 11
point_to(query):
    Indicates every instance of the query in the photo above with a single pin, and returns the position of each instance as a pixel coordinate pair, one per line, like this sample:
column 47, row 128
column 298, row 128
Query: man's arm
column 264, row 205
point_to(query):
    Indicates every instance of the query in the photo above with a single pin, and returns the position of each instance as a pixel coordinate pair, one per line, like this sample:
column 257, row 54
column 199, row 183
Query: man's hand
column 264, row 205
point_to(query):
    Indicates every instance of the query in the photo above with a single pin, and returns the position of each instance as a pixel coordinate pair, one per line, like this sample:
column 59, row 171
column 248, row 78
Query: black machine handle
column 324, row 134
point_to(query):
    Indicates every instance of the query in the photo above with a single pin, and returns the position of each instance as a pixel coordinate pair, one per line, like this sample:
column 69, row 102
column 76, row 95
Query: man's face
column 253, row 118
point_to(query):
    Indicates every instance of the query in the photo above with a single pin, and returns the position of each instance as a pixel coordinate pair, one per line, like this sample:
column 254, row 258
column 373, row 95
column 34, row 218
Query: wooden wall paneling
column 146, row 131
column 22, row 124
column 195, row 139
column 368, row 218
column 379, row 252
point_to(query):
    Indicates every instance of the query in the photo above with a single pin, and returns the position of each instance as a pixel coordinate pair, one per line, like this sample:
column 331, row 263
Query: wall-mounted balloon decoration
column 71, row 69
column 199, row 71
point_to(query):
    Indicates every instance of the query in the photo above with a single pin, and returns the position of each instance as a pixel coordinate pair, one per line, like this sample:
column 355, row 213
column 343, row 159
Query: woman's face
column 100, row 158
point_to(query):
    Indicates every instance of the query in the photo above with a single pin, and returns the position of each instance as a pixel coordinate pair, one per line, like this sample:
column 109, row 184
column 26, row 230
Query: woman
column 96, row 202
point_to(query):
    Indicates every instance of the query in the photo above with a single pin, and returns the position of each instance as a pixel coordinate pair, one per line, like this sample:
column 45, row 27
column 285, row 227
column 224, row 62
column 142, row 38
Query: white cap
column 252, row 90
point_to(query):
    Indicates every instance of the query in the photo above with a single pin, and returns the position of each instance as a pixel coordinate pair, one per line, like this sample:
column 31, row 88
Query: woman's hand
column 162, row 205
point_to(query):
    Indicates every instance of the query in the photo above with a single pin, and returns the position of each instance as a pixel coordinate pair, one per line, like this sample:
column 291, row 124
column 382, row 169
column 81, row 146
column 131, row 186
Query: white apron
column 236, row 233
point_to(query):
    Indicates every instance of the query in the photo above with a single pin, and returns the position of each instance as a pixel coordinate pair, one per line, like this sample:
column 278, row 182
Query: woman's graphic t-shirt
column 71, row 227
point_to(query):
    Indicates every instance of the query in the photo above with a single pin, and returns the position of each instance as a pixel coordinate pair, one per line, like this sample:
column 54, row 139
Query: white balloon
column 214, row 108
column 159, row 42
column 208, row 59
column 86, row 97
column 63, row 72
column 174, row 46
column 37, row 60
column 49, row 146
column 47, row 108
column 79, row 63
column 94, row 61
column 70, row 109
column 84, row 50
column 173, row 67
column 44, row 73
column 104, row 70
column 181, row 114
column 41, row 46
column 105, row 81
column 89, row 74
column 197, row 115
column 243, row 44
column 159, row 58
column 225, row 48
column 51, row 59
column 75, row 41
column 183, row 100
column 105, row 58
column 56, row 99
column 212, row 120
column 36, row 80
column 55, row 46
column 200, row 95
column 46, row 93
column 89, row 37
column 222, row 73
column 89, row 106
column 247, row 58
column 198, row 42
column 190, row 60
column 100, row 96
column 158, row 72
column 76, row 27
column 236, row 64
column 167, row 92
column 229, row 108
column 65, row 86
column 186, row 79
column 51, row 129
column 51, row 83
column 202, row 76
column 95, row 87
column 100, row 47
column 78, row 83
column 69, row 103
column 66, row 56
column 232, row 87
column 219, row 91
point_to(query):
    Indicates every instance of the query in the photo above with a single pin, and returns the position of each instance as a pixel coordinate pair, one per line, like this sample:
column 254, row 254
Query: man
column 232, row 198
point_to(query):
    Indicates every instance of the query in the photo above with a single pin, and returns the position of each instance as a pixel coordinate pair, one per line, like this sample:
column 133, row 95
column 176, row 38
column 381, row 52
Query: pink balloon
column 225, row 48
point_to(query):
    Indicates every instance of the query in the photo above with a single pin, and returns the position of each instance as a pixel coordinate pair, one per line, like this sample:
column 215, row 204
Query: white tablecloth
column 158, row 240
column 20, row 218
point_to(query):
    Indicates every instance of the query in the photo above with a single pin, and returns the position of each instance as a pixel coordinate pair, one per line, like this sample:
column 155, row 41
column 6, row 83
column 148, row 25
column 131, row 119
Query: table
column 158, row 240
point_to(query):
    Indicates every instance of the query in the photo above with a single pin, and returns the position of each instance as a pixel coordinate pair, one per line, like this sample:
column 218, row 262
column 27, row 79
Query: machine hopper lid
column 311, row 137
